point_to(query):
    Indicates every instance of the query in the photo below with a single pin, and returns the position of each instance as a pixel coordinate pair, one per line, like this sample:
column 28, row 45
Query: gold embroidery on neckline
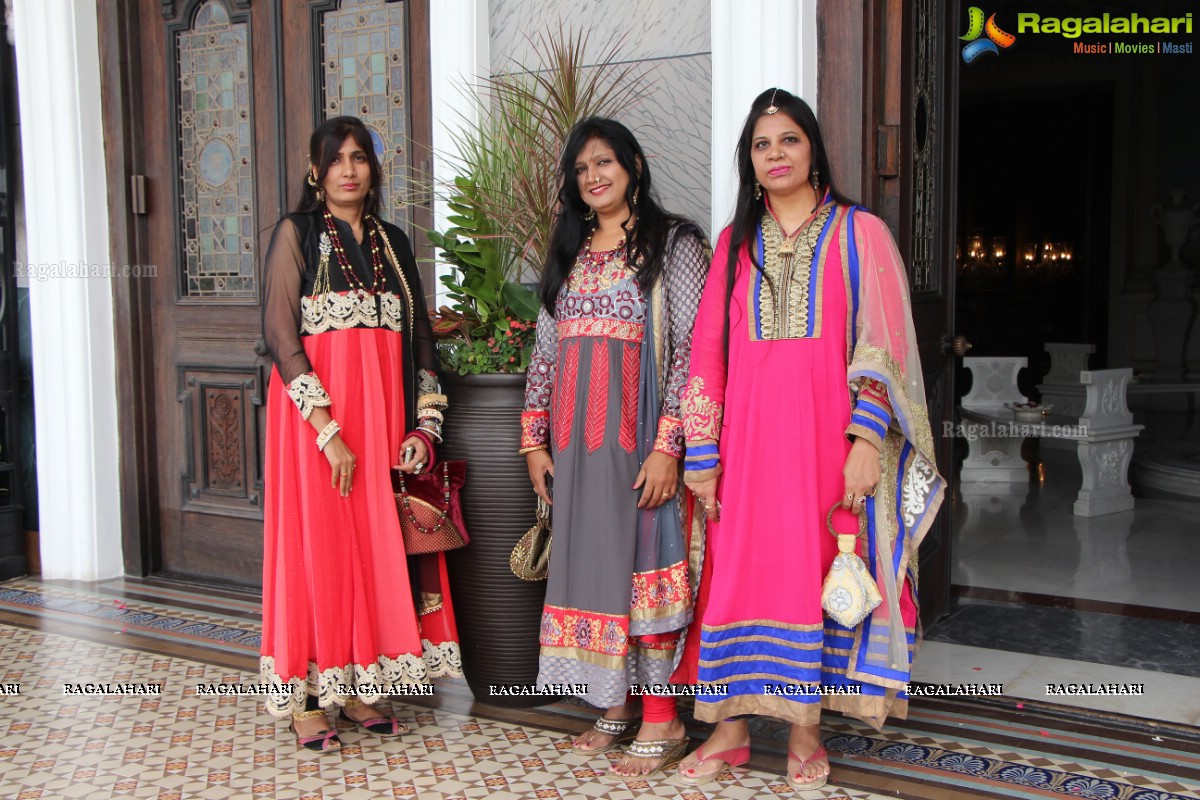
column 784, row 305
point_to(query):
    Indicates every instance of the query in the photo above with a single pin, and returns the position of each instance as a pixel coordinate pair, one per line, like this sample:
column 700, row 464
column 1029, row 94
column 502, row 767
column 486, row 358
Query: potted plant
column 503, row 208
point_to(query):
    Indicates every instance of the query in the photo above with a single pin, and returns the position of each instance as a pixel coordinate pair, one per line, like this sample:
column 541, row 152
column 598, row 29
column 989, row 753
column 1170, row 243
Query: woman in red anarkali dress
column 347, row 617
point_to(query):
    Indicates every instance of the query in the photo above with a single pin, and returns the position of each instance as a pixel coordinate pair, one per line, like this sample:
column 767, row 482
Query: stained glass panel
column 216, row 157
column 364, row 61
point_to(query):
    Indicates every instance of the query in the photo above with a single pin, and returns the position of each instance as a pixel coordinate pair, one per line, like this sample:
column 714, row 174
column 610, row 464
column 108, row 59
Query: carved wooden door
column 888, row 106
column 232, row 90
column 928, row 154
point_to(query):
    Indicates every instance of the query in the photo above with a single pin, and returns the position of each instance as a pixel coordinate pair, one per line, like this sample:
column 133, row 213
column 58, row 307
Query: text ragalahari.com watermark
column 56, row 270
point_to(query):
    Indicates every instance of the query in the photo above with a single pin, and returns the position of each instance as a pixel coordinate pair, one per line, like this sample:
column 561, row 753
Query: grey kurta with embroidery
column 603, row 393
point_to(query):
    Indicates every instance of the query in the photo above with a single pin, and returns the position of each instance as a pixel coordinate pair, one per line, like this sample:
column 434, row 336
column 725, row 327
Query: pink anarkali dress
column 775, row 417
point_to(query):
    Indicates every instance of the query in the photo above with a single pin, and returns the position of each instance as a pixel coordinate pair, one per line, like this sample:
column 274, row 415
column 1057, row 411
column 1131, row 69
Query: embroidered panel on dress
column 597, row 405
column 606, row 634
column 601, row 299
column 785, row 295
column 702, row 415
column 564, row 396
column 631, row 373
column 607, row 328
column 337, row 311
column 661, row 589
column 596, row 272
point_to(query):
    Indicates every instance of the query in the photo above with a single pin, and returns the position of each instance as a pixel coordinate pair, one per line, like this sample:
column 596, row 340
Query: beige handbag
column 530, row 559
column 849, row 593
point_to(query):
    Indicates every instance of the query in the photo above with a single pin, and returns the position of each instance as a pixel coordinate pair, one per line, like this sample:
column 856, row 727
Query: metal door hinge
column 887, row 151
column 137, row 194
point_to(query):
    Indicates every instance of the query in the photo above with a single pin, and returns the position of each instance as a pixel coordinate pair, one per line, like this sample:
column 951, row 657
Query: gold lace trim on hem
column 372, row 681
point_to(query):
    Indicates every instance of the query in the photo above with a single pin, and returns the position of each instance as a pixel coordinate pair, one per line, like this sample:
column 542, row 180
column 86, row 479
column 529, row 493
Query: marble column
column 66, row 217
column 459, row 31
column 756, row 44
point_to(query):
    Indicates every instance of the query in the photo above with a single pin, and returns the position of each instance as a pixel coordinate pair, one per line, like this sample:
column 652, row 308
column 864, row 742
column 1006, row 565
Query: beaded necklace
column 348, row 273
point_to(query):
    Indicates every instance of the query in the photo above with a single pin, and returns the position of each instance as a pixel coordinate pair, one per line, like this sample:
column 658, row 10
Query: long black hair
column 645, row 241
column 748, row 209
column 325, row 144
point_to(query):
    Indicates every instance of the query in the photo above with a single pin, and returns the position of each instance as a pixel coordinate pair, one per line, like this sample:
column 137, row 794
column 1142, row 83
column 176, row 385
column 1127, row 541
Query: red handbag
column 430, row 508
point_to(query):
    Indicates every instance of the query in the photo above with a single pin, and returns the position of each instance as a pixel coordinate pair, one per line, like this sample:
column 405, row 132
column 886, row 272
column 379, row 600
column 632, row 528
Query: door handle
column 958, row 346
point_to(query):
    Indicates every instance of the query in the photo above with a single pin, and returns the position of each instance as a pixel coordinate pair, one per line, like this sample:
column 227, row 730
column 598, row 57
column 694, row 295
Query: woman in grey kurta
column 620, row 291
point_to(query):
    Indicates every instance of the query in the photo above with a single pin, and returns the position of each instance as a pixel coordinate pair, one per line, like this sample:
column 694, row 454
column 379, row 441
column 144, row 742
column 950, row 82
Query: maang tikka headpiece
column 772, row 108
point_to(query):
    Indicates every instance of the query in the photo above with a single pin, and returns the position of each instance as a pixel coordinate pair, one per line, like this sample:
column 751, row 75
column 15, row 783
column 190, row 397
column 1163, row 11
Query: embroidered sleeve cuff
column 535, row 430
column 872, row 414
column 307, row 393
column 871, row 434
column 876, row 393
column 670, row 436
column 701, row 461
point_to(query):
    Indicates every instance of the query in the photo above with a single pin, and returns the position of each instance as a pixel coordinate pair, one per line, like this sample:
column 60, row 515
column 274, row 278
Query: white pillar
column 460, row 55
column 66, row 218
column 756, row 44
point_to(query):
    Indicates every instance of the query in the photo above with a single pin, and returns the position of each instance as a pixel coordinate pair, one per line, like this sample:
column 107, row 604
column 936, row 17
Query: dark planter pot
column 498, row 615
column 12, row 543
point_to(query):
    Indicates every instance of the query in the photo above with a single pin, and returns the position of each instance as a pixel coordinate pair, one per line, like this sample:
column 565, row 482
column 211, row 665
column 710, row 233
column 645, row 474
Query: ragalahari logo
column 976, row 27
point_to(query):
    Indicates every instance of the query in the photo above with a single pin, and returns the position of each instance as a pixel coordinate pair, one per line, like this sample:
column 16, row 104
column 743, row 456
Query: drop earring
column 757, row 190
column 591, row 215
column 636, row 193
column 815, row 180
column 320, row 190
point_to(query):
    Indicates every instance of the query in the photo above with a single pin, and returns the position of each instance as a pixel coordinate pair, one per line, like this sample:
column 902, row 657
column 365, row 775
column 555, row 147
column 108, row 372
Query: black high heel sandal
column 322, row 742
column 384, row 726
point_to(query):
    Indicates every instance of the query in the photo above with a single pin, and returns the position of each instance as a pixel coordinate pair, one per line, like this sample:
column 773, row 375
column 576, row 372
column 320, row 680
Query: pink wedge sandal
column 734, row 757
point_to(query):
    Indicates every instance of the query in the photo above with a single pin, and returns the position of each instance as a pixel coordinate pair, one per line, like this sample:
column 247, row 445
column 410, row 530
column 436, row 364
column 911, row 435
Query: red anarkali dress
column 345, row 612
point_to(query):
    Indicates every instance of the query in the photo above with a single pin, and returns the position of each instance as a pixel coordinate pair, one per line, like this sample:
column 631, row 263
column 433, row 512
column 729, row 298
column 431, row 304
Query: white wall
column 66, row 219
column 667, row 41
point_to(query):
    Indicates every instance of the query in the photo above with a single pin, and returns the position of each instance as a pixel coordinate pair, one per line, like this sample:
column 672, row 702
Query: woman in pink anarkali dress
column 348, row 619
column 804, row 393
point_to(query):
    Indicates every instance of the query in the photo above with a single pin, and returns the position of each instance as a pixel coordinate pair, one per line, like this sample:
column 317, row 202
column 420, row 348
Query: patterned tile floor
column 182, row 745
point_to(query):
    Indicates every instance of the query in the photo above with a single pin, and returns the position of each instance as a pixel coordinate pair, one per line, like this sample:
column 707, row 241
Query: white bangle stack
column 328, row 433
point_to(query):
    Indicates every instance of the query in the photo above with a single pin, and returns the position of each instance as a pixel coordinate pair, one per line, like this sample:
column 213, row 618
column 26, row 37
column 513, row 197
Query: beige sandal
column 618, row 729
column 669, row 753
column 797, row 782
